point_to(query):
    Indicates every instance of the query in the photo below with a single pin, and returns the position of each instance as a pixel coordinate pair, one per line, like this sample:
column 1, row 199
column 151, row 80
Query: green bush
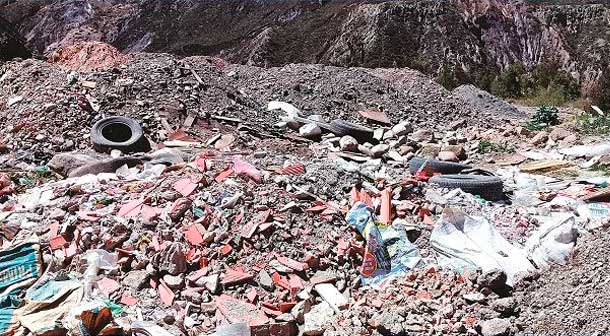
column 545, row 116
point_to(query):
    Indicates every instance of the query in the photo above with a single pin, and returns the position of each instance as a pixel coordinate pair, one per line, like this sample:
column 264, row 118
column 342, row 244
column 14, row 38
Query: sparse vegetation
column 545, row 116
column 592, row 123
column 545, row 84
column 486, row 146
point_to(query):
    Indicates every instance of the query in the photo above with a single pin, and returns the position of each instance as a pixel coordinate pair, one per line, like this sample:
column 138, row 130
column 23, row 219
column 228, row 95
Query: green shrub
column 545, row 116
column 593, row 123
column 486, row 146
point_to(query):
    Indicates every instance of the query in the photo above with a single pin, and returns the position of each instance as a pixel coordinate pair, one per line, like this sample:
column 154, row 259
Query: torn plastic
column 388, row 250
column 463, row 242
column 20, row 266
column 96, row 260
column 595, row 215
column 554, row 240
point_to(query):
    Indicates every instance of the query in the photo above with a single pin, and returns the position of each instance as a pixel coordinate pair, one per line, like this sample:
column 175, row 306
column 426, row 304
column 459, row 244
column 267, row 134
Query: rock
column 402, row 128
column 310, row 131
column 136, row 280
column 505, row 306
column 394, row 155
column 406, row 149
column 388, row 323
column 474, row 297
column 378, row 134
column 191, row 296
column 495, row 327
column 348, row 143
column 559, row 133
column 211, row 282
column 364, row 149
column 460, row 123
column 174, row 282
column 520, row 130
column 430, row 150
column 286, row 317
column 171, row 259
column 458, row 150
column 568, row 141
column 494, row 280
column 388, row 135
column 316, row 319
column 378, row 150
column 265, row 281
column 540, row 138
column 422, row 136
column 447, row 156
column 65, row 163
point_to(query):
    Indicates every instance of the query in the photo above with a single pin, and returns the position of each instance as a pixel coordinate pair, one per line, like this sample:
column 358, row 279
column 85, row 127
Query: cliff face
column 11, row 45
column 475, row 35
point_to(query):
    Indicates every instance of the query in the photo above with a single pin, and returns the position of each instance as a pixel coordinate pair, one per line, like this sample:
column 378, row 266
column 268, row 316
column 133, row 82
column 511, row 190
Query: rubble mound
column 52, row 108
column 485, row 103
column 572, row 297
column 88, row 56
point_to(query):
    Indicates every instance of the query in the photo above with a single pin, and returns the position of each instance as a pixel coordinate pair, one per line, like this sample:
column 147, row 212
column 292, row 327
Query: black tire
column 490, row 188
column 437, row 166
column 342, row 127
column 120, row 133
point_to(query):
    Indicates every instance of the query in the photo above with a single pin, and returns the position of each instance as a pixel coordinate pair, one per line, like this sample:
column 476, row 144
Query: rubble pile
column 303, row 200
column 162, row 92
column 88, row 56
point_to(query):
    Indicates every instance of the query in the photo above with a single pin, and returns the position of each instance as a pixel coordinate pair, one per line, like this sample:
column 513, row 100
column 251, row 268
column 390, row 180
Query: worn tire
column 490, row 188
column 437, row 166
column 342, row 127
column 120, row 133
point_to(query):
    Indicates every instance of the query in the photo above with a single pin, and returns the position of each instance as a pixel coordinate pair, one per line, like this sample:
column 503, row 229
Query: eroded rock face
column 11, row 45
column 477, row 36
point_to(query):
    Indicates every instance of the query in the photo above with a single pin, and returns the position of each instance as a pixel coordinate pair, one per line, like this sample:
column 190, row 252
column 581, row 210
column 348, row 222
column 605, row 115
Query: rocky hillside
column 474, row 37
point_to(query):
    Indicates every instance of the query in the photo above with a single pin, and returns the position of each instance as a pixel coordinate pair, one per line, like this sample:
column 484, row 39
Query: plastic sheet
column 464, row 242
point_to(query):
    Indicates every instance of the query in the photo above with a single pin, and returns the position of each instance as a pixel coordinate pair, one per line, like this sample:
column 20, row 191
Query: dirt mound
column 88, row 56
column 484, row 103
column 573, row 297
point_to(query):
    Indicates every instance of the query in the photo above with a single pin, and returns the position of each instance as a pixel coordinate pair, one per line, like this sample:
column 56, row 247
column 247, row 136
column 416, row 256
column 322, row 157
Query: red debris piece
column 272, row 312
column 129, row 300
column 316, row 208
column 243, row 168
column 149, row 213
column 179, row 207
column 377, row 303
column 57, row 242
column 235, row 277
column 165, row 293
column 386, row 206
column 225, row 250
column 185, row 187
column 295, row 265
column 197, row 274
column 181, row 135
column 193, row 235
column 90, row 216
column 223, row 175
column 107, row 286
column 285, row 307
column 131, row 209
column 234, row 311
column 280, row 281
column 378, row 116
column 294, row 169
